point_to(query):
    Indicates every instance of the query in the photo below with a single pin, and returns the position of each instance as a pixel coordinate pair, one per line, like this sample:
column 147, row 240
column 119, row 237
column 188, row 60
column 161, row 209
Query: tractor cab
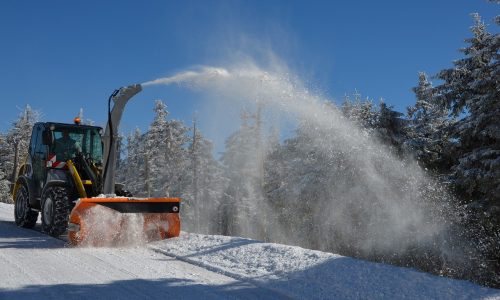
column 78, row 151
column 66, row 141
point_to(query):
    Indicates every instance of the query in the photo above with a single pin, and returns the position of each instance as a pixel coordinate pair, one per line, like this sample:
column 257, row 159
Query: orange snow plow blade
column 121, row 220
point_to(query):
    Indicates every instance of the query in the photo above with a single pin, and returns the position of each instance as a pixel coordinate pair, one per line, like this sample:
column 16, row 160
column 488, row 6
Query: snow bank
column 301, row 273
column 279, row 271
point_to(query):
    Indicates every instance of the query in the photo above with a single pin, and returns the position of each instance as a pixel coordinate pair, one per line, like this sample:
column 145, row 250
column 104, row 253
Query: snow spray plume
column 367, row 202
column 105, row 227
column 189, row 76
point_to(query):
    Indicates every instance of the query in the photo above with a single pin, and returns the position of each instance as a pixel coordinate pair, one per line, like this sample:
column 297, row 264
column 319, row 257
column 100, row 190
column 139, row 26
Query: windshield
column 70, row 140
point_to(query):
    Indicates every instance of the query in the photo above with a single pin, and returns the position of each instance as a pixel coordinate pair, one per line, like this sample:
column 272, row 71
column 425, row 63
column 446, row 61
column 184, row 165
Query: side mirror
column 47, row 138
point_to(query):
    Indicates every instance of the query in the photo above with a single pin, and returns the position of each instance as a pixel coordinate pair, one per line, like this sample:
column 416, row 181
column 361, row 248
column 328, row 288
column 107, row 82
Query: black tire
column 55, row 210
column 23, row 214
column 124, row 193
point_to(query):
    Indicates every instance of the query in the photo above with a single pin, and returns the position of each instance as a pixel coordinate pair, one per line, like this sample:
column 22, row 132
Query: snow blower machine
column 69, row 176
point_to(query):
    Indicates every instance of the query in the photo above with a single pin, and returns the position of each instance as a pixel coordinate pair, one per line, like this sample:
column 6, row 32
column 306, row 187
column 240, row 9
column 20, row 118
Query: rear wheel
column 23, row 214
column 55, row 210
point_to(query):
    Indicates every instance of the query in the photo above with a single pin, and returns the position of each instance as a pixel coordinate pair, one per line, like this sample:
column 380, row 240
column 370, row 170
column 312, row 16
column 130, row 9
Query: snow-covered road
column 36, row 266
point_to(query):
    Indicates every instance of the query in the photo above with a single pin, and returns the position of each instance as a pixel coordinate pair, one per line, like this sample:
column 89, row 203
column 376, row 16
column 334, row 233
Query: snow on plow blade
column 121, row 220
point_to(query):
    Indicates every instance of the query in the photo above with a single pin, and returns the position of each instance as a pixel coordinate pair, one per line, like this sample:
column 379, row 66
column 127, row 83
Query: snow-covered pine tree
column 155, row 146
column 18, row 138
column 303, row 179
column 132, row 171
column 471, row 89
column 238, row 171
column 428, row 132
column 294, row 179
column 360, row 112
column 4, row 188
column 176, row 157
column 166, row 153
column 14, row 147
column 201, row 185
column 5, row 153
column 240, row 213
column 391, row 127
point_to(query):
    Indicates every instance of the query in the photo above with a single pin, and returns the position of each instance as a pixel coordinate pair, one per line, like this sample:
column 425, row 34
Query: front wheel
column 123, row 193
column 23, row 214
column 55, row 210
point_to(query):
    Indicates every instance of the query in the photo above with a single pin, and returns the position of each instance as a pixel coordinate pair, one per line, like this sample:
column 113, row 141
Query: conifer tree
column 201, row 184
column 242, row 161
column 5, row 150
column 360, row 112
column 391, row 127
column 428, row 134
column 472, row 89
column 19, row 139
column 4, row 188
column 132, row 170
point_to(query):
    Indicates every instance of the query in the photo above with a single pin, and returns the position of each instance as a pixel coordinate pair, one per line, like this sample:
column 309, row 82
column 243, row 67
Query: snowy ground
column 36, row 266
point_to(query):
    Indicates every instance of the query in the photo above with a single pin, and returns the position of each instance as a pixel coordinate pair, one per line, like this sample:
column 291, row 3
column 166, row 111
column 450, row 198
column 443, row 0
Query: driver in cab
column 65, row 147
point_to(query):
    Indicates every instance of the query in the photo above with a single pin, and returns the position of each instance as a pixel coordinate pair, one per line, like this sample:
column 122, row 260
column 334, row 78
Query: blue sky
column 60, row 56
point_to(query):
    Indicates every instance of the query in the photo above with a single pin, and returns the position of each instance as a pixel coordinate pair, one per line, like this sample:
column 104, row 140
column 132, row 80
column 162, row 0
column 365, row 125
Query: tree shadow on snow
column 12, row 236
column 223, row 247
column 337, row 278
column 141, row 289
column 349, row 278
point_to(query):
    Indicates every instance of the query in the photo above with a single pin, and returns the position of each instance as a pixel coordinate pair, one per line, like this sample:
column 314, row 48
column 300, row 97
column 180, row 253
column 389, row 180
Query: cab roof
column 48, row 124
